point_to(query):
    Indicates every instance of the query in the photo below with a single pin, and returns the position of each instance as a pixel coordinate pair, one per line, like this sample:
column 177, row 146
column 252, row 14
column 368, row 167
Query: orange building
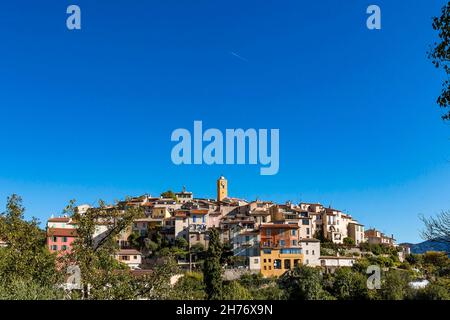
column 280, row 250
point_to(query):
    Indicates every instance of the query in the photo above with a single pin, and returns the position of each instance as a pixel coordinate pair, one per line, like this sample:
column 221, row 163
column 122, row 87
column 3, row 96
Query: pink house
column 61, row 233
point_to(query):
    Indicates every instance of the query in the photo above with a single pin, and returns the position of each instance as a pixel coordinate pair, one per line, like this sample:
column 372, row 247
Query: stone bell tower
column 222, row 188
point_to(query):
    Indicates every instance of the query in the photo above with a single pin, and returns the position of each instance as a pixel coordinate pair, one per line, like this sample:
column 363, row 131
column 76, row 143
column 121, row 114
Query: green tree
column 235, row 291
column 102, row 276
column 181, row 243
column 190, row 287
column 433, row 292
column 414, row 259
column 198, row 251
column 135, row 240
column 395, row 285
column 26, row 257
column 21, row 289
column 151, row 245
column 262, row 288
column 349, row 241
column 304, row 283
column 349, row 285
column 169, row 194
column 212, row 267
column 440, row 55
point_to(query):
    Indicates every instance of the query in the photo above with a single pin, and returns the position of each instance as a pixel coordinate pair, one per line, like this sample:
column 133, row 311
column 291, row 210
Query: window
column 307, row 231
column 124, row 258
column 55, row 239
column 282, row 243
column 307, row 261
column 135, row 257
column 54, row 247
column 194, row 218
column 294, row 242
column 277, row 264
column 268, row 232
column 307, row 251
column 305, row 222
column 265, row 268
column 203, row 219
column 294, row 232
column 296, row 262
column 291, row 251
column 64, row 247
column 287, row 264
column 313, row 252
column 255, row 260
column 64, row 239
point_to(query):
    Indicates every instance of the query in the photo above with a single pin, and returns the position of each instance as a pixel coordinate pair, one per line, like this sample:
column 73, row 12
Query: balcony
column 200, row 228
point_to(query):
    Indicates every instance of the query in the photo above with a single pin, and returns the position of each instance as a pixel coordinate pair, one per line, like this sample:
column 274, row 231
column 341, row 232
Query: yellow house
column 275, row 262
column 160, row 213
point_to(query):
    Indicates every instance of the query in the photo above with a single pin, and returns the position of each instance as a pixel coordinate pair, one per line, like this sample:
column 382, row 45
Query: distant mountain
column 428, row 246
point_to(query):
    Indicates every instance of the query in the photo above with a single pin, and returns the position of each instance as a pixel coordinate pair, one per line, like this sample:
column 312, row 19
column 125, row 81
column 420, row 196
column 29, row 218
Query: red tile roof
column 59, row 219
column 60, row 232
column 199, row 211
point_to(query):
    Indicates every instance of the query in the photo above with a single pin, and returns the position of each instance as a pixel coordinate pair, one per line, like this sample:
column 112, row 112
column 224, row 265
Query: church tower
column 222, row 188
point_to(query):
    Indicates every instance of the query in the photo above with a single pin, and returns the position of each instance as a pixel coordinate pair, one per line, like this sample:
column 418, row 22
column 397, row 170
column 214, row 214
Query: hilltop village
column 262, row 236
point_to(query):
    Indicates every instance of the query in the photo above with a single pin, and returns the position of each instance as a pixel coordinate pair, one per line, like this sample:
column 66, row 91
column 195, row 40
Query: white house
column 311, row 252
column 131, row 257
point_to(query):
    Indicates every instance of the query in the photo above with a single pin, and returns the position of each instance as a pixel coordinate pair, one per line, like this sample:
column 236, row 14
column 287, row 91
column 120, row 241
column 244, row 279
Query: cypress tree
column 212, row 267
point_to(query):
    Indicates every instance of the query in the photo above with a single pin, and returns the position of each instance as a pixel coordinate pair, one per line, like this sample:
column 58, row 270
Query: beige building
column 184, row 196
column 374, row 236
column 356, row 232
column 311, row 252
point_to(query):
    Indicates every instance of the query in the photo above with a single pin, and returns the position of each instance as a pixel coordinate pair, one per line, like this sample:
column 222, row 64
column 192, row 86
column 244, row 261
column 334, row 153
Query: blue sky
column 88, row 114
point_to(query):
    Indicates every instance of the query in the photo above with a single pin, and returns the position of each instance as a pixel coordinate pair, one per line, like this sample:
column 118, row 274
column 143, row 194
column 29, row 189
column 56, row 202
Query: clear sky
column 88, row 114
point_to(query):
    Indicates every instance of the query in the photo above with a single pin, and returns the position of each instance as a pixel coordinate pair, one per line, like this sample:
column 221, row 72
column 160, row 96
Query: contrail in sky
column 238, row 56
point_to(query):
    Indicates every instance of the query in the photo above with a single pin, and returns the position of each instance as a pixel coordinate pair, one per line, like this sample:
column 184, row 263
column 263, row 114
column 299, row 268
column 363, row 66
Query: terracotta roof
column 199, row 211
column 148, row 204
column 61, row 232
column 59, row 219
column 128, row 252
